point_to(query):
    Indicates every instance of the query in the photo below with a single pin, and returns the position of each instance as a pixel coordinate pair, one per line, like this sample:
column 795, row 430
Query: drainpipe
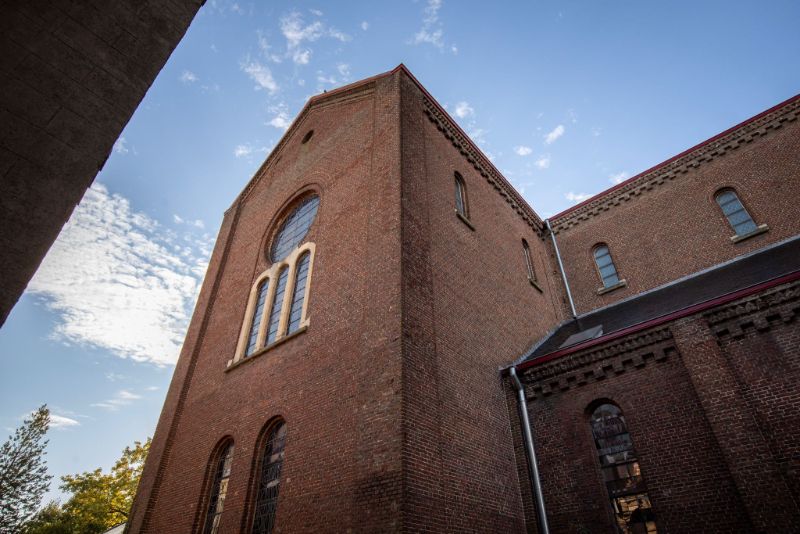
column 561, row 266
column 533, row 466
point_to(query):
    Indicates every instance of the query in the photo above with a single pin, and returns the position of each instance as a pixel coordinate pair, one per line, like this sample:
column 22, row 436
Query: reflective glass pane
column 298, row 295
column 294, row 228
column 277, row 305
column 219, row 489
column 257, row 314
column 269, row 481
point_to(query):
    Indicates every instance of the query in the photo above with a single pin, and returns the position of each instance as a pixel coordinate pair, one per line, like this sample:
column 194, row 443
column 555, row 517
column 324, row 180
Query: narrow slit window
column 277, row 306
column 734, row 211
column 252, row 339
column 461, row 196
column 269, row 480
column 622, row 476
column 605, row 266
column 528, row 261
column 219, row 490
column 299, row 293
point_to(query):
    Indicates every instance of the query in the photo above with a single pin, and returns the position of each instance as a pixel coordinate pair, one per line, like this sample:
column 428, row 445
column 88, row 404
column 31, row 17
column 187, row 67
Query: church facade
column 390, row 339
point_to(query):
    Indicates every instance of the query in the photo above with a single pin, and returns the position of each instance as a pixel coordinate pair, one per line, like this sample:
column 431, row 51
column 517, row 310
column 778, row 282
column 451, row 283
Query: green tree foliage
column 23, row 471
column 98, row 500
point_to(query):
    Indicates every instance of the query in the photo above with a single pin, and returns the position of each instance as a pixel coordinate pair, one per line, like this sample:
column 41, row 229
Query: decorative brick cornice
column 779, row 305
column 603, row 362
column 707, row 151
column 481, row 163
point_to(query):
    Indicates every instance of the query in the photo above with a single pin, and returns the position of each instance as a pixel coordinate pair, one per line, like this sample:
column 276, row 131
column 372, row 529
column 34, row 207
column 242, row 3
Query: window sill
column 535, row 284
column 609, row 289
column 259, row 352
column 762, row 228
column 465, row 220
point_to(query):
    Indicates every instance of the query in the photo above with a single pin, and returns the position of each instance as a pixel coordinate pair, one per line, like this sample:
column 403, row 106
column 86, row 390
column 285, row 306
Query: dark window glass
column 294, row 228
column 734, row 211
column 605, row 265
column 263, row 289
column 528, row 262
column 269, row 480
column 621, row 474
column 219, row 489
column 277, row 306
column 461, row 196
column 299, row 293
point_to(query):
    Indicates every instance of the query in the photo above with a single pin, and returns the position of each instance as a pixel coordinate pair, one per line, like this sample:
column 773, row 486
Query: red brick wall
column 468, row 308
column 676, row 228
column 338, row 384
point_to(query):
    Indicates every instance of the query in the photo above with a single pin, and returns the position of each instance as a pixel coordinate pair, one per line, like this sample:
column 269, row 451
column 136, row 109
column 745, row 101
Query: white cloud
column 153, row 388
column 188, row 77
column 619, row 177
column 542, row 162
column 365, row 25
column 62, row 421
column 241, row 151
column 316, row 12
column 297, row 32
column 301, row 57
column 120, row 281
column 463, row 109
column 344, row 70
column 119, row 146
column 123, row 397
column 557, row 132
column 280, row 119
column 114, row 377
column 431, row 31
column 577, row 197
column 596, row 132
column 261, row 75
column 523, row 150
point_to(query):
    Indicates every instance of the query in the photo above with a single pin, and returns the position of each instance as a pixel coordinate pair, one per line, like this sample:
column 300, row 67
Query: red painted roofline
column 689, row 310
column 670, row 160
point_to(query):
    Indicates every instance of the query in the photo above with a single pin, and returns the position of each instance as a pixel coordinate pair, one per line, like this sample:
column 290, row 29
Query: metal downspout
column 561, row 266
column 533, row 466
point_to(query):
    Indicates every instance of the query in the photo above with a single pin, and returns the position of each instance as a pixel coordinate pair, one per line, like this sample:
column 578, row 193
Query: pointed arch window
column 219, row 488
column 621, row 473
column 462, row 207
column 278, row 301
column 526, row 251
column 605, row 266
column 266, row 503
column 733, row 209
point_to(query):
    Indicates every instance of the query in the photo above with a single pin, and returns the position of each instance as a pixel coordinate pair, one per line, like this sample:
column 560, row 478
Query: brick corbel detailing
column 760, row 312
column 681, row 165
column 481, row 164
column 583, row 368
column 764, row 491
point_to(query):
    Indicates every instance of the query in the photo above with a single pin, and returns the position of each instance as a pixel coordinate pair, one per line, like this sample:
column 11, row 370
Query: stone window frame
column 737, row 238
column 270, row 276
column 224, row 447
column 621, row 282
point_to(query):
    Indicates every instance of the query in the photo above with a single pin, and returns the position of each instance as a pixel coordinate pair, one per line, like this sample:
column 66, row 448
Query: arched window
column 219, row 488
column 621, row 474
column 269, row 480
column 298, row 297
column 528, row 262
column 462, row 208
column 278, row 301
column 734, row 211
column 605, row 266
column 252, row 339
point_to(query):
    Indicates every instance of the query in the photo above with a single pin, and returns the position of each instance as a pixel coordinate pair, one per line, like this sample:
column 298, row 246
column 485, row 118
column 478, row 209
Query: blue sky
column 567, row 98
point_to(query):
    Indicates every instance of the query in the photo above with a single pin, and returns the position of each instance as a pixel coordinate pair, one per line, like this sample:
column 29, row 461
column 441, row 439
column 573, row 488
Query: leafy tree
column 99, row 500
column 23, row 471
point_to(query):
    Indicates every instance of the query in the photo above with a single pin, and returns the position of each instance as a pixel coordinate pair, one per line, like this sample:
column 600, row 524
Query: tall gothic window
column 277, row 305
column 734, row 211
column 605, row 266
column 621, row 474
column 462, row 208
column 266, row 504
column 526, row 251
column 219, row 488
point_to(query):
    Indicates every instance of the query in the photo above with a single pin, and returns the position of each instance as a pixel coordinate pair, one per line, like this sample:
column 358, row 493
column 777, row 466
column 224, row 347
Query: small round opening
column 308, row 136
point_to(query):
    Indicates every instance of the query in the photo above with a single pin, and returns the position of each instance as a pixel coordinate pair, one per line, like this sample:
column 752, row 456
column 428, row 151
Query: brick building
column 385, row 322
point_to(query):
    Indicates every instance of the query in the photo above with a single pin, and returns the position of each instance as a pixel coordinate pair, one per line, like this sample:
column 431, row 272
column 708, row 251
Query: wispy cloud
column 557, row 132
column 619, row 177
column 120, row 281
column 280, row 117
column 364, row 25
column 523, row 150
column 463, row 109
column 123, row 397
column 120, row 146
column 261, row 75
column 577, row 197
column 242, row 150
column 62, row 421
column 431, row 31
column 298, row 34
column 543, row 161
column 188, row 76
